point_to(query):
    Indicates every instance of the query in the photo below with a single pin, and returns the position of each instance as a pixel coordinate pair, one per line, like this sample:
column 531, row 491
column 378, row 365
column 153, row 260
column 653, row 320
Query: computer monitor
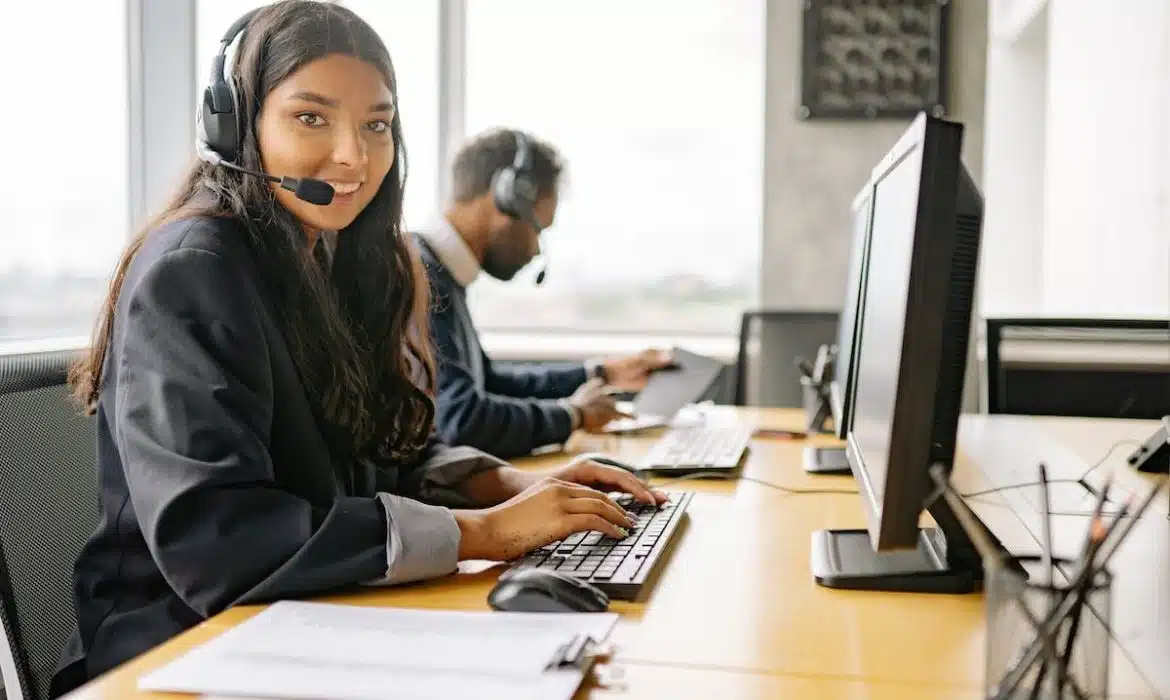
column 910, row 358
column 840, row 396
column 822, row 459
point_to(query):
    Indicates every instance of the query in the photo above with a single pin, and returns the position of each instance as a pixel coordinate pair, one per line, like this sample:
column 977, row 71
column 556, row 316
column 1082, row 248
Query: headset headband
column 219, row 63
column 218, row 124
column 522, row 159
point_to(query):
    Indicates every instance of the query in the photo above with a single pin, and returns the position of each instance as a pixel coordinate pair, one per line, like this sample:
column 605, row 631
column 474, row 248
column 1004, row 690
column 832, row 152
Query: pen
column 1046, row 524
column 1111, row 544
column 1080, row 584
column 1079, row 591
column 1046, row 534
column 779, row 434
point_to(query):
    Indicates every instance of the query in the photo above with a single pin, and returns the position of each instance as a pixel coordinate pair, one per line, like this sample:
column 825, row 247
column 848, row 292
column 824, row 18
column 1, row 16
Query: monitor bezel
column 893, row 514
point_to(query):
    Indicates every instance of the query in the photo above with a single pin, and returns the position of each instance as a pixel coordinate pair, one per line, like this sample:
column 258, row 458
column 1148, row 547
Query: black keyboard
column 618, row 567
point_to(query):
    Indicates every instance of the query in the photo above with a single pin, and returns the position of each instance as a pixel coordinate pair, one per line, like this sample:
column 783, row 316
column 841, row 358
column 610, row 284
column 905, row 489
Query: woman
column 258, row 375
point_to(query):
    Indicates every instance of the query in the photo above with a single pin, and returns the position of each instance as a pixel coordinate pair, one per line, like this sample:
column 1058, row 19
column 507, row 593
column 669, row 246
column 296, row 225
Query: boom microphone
column 529, row 218
column 307, row 189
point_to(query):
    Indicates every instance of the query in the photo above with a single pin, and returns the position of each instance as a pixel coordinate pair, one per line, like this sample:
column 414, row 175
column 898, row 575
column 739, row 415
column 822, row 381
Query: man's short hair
column 481, row 157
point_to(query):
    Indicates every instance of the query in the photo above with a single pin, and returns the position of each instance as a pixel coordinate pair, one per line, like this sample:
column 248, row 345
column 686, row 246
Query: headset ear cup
column 221, row 130
column 524, row 196
column 513, row 188
column 504, row 192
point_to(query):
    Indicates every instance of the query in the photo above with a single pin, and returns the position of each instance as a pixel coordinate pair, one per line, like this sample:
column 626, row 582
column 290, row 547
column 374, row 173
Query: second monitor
column 820, row 459
column 910, row 356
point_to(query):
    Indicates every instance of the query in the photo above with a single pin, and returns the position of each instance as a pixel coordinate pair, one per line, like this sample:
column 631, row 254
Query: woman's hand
column 546, row 511
column 583, row 470
column 509, row 481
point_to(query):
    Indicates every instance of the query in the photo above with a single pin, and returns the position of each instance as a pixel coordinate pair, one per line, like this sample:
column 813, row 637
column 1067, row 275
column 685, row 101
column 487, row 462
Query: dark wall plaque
column 869, row 59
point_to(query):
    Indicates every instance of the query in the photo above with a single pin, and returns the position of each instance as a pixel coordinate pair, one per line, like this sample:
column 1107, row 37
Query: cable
column 1112, row 449
column 724, row 477
column 1010, row 487
column 1071, row 513
column 1079, row 480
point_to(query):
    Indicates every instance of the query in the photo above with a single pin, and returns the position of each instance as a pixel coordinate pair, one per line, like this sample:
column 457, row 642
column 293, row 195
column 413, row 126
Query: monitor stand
column 846, row 559
column 829, row 461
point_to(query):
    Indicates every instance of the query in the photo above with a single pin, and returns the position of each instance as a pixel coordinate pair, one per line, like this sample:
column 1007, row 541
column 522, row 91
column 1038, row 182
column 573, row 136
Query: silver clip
column 580, row 652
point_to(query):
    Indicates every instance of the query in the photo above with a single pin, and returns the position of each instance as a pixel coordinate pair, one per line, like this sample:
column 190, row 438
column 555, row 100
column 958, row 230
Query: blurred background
column 701, row 180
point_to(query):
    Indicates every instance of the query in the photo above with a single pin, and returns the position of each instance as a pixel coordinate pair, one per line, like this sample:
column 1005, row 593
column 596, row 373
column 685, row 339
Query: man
column 493, row 227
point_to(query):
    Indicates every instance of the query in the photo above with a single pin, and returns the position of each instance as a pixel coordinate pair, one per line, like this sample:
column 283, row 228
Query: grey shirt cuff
column 422, row 541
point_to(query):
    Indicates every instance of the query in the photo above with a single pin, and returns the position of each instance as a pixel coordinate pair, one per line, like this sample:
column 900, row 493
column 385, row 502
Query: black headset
column 218, row 125
column 514, row 189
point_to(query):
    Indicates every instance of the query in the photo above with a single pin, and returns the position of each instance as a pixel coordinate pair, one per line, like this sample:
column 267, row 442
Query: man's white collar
column 451, row 250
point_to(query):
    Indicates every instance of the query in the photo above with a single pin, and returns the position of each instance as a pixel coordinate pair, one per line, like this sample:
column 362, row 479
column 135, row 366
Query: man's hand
column 595, row 407
column 632, row 372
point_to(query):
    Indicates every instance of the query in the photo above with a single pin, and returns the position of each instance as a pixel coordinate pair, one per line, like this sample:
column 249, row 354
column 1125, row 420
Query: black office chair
column 1099, row 368
column 770, row 341
column 48, row 508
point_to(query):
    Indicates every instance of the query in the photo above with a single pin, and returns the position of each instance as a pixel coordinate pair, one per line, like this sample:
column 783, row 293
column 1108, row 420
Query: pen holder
column 1012, row 637
column 815, row 400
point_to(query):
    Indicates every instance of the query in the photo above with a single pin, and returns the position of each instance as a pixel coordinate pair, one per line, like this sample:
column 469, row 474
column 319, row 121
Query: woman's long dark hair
column 360, row 340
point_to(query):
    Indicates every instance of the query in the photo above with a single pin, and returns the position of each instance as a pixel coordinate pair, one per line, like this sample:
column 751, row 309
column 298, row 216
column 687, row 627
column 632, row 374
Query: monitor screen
column 840, row 389
column 879, row 354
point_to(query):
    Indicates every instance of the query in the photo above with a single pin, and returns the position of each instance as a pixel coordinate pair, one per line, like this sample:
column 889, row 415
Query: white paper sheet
column 318, row 650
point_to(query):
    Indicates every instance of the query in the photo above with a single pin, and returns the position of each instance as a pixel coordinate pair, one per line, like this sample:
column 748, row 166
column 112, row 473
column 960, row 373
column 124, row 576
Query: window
column 410, row 29
column 212, row 19
column 66, row 205
column 657, row 108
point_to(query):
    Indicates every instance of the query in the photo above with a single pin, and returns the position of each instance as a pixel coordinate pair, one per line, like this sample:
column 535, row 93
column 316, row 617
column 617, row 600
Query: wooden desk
column 736, row 613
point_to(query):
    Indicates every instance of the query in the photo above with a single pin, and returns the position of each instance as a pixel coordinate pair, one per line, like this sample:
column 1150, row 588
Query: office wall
column 812, row 169
column 1011, row 279
column 1078, row 159
column 1107, row 232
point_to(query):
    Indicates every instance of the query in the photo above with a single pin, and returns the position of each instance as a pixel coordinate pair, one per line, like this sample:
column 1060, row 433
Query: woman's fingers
column 600, row 507
column 617, row 479
column 580, row 522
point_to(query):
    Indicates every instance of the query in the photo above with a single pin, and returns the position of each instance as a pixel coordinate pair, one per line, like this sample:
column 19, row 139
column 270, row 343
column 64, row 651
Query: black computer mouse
column 542, row 590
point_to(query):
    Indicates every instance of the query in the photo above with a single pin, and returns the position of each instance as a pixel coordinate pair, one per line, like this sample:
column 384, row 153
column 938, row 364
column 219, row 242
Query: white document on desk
column 318, row 650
